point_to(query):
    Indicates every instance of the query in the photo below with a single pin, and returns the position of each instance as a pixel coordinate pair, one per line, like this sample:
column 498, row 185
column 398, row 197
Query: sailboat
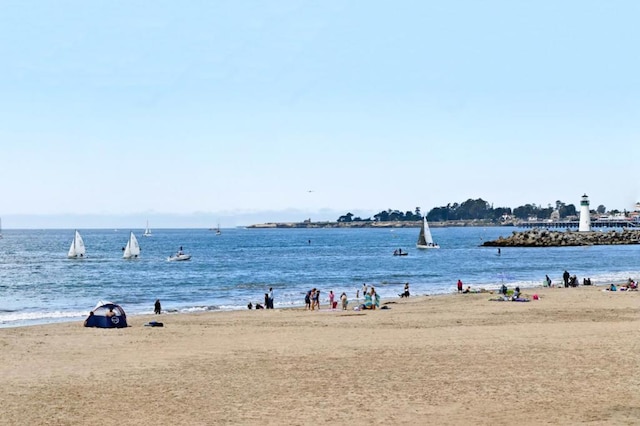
column 425, row 241
column 76, row 251
column 132, row 250
column 147, row 232
column 218, row 231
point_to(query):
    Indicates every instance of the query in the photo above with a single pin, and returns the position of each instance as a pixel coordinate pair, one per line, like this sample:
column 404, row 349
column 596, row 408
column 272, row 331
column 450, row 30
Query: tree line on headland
column 473, row 210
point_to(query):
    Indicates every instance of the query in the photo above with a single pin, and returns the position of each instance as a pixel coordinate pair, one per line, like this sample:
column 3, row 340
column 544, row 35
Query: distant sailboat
column 132, row 250
column 218, row 231
column 77, row 250
column 425, row 241
column 147, row 232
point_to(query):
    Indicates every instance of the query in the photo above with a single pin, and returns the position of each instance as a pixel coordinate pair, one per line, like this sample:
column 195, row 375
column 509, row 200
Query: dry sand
column 569, row 358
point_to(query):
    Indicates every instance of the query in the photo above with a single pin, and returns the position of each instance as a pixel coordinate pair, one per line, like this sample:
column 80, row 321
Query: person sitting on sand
column 250, row 306
column 516, row 293
column 86, row 322
column 467, row 290
column 612, row 287
column 110, row 313
column 503, row 290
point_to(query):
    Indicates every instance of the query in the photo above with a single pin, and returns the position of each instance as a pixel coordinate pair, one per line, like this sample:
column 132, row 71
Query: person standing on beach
column 331, row 297
column 157, row 308
column 459, row 286
column 270, row 298
column 343, row 299
column 547, row 281
column 314, row 295
column 307, row 300
column 565, row 277
column 364, row 289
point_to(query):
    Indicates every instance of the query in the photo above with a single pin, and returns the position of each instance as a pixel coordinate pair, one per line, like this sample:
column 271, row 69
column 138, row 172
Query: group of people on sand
column 371, row 298
column 268, row 301
column 312, row 300
column 630, row 285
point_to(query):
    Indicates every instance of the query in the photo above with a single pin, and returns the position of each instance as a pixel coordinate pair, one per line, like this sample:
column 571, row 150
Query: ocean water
column 38, row 284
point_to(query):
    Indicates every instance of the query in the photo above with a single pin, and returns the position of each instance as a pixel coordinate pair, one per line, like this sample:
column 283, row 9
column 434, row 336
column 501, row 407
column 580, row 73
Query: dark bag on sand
column 154, row 324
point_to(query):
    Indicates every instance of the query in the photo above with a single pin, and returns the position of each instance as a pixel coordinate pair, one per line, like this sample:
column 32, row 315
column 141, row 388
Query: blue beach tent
column 100, row 317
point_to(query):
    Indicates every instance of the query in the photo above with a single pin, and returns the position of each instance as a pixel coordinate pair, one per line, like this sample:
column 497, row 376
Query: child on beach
column 345, row 302
column 331, row 297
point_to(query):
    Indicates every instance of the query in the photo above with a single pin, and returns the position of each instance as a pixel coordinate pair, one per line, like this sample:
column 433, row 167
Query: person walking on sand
column 157, row 308
column 565, row 278
column 459, row 286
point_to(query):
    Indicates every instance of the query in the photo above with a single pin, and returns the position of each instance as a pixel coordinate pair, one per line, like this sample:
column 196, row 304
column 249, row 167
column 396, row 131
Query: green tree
column 346, row 218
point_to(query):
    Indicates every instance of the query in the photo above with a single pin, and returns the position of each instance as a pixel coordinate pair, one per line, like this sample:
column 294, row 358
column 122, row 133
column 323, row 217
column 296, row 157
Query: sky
column 239, row 112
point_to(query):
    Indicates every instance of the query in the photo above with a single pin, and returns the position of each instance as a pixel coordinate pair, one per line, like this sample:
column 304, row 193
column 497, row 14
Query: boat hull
column 424, row 247
column 179, row 258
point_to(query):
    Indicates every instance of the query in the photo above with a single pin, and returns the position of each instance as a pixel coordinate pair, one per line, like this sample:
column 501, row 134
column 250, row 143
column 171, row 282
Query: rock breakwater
column 546, row 238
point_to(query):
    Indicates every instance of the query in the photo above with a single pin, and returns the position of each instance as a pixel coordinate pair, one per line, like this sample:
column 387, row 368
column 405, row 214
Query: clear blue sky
column 238, row 109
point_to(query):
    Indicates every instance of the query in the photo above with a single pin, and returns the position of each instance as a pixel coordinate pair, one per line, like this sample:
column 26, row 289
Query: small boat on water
column 179, row 256
column 77, row 250
column 425, row 240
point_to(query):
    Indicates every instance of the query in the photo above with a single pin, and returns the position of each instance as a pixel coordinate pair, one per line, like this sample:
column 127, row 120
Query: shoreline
column 475, row 289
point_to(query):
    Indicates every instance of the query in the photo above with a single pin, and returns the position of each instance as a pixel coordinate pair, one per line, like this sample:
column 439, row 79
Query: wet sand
column 569, row 358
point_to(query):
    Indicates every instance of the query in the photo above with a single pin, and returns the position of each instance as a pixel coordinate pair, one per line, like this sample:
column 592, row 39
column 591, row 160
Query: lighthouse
column 585, row 219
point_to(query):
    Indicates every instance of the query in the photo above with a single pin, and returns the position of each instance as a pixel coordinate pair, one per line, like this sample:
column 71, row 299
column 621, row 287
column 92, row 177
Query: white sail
column 147, row 231
column 77, row 247
column 425, row 240
column 132, row 250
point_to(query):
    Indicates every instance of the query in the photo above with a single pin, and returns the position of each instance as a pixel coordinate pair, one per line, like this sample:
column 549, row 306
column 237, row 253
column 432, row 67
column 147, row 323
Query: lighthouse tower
column 585, row 219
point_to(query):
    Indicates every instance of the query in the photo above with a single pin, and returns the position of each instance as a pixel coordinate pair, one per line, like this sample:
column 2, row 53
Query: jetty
column 547, row 238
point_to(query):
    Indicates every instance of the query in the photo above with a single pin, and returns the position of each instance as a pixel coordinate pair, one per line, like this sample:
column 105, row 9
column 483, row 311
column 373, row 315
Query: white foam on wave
column 17, row 317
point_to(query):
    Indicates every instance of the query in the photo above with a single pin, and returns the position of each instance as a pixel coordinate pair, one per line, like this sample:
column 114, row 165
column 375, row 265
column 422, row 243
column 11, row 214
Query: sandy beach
column 569, row 358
